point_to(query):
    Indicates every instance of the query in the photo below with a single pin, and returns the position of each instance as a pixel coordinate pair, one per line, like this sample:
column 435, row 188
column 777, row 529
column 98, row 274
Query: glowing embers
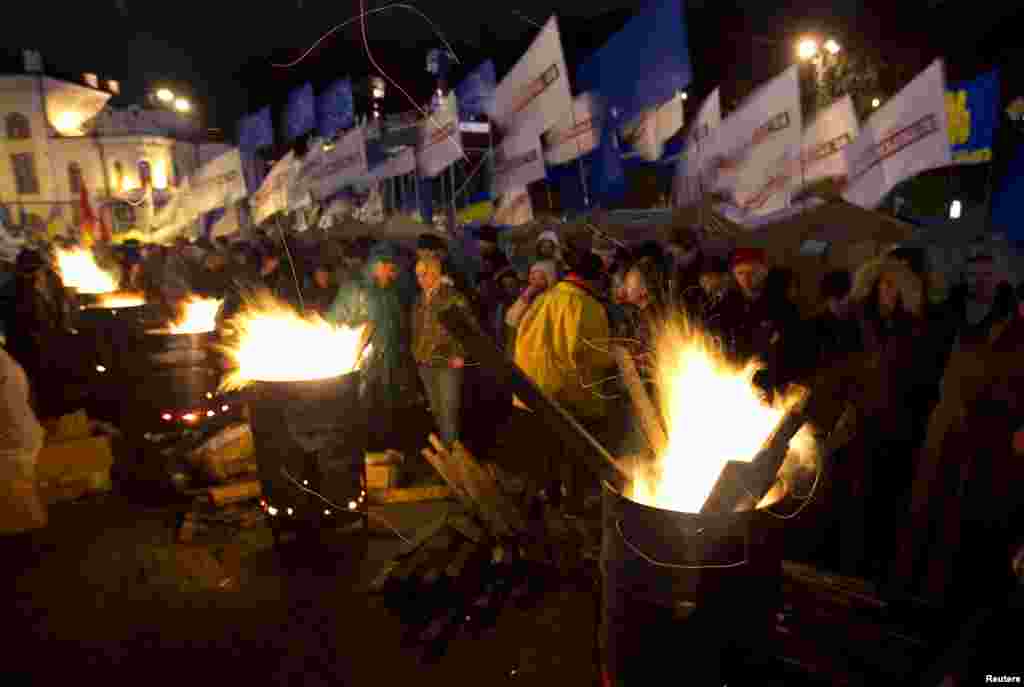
column 274, row 343
column 712, row 415
column 119, row 299
column 79, row 270
column 196, row 316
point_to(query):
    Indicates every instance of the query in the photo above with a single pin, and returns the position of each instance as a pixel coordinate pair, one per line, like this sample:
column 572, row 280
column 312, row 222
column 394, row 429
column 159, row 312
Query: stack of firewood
column 220, row 510
column 501, row 543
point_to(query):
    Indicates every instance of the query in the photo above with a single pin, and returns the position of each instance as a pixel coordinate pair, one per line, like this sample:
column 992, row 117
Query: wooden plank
column 410, row 494
column 650, row 421
column 407, row 569
column 235, row 493
column 382, row 578
column 465, row 552
column 422, row 536
column 467, row 527
column 488, row 494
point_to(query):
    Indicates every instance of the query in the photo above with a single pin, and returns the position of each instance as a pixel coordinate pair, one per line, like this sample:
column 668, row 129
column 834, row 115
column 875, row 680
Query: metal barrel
column 681, row 591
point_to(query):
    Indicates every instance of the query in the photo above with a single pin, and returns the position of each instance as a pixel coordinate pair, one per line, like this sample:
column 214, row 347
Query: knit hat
column 549, row 269
column 549, row 236
column 431, row 242
column 748, row 256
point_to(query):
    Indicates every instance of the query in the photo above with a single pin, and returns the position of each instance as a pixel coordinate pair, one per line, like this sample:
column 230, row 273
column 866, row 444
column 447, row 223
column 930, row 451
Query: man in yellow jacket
column 563, row 346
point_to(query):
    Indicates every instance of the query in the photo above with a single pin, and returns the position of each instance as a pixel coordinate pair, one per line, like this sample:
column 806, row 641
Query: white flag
column 396, row 165
column 513, row 208
column 440, row 141
column 578, row 133
column 825, row 142
column 649, row 132
column 687, row 184
column 517, row 162
column 535, row 94
column 218, row 183
column 324, row 174
column 907, row 135
column 272, row 195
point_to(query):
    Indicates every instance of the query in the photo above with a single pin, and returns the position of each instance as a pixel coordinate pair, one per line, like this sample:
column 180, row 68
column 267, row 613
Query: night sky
column 220, row 53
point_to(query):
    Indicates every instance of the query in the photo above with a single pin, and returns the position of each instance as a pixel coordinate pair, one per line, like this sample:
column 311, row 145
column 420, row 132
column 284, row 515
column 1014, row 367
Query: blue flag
column 255, row 131
column 335, row 110
column 643, row 65
column 300, row 113
column 1008, row 201
column 607, row 177
column 972, row 108
column 426, row 193
column 476, row 92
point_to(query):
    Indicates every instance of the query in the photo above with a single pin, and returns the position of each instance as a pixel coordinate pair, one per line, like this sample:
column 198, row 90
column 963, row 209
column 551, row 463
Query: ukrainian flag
column 972, row 108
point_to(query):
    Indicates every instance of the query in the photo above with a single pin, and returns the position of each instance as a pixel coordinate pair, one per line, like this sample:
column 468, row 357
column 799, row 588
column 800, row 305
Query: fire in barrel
column 301, row 378
column 691, row 532
column 80, row 271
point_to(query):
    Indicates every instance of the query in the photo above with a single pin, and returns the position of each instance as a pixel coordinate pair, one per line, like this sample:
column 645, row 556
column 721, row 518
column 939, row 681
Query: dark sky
column 220, row 51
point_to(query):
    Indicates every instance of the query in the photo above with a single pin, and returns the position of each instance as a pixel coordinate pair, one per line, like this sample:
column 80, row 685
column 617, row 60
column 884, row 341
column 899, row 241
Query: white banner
column 396, row 165
column 440, row 139
column 217, row 184
column 648, row 133
column 751, row 149
column 907, row 135
column 535, row 94
column 577, row 133
column 513, row 208
column 272, row 195
column 517, row 162
column 825, row 142
column 686, row 186
column 327, row 172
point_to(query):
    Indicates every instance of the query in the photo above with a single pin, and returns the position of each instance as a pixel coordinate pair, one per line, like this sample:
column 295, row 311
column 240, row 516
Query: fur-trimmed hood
column 910, row 285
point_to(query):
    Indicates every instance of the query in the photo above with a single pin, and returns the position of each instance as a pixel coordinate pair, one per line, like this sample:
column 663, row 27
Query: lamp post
column 821, row 56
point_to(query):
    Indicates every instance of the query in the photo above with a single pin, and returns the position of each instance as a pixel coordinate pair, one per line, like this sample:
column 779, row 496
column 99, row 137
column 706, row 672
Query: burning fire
column 712, row 415
column 78, row 270
column 276, row 344
column 121, row 299
column 197, row 315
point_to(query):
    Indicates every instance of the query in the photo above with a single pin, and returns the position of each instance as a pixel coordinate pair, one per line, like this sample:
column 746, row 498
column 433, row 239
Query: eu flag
column 334, row 108
column 300, row 113
column 255, row 131
column 476, row 92
column 972, row 108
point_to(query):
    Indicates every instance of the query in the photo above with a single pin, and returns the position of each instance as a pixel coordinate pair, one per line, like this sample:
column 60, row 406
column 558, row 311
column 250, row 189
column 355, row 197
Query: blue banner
column 300, row 113
column 972, row 108
column 476, row 92
column 426, row 195
column 643, row 65
column 255, row 131
column 335, row 110
column 607, row 183
column 1008, row 201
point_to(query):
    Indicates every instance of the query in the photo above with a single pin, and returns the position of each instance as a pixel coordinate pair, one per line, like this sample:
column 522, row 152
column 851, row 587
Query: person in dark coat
column 685, row 263
column 834, row 328
column 276, row 275
column 322, row 289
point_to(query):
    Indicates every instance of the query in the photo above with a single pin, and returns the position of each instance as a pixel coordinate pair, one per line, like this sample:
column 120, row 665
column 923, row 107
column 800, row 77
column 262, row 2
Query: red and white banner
column 907, row 135
column 751, row 149
column 578, row 133
column 649, row 132
column 534, row 96
column 396, row 165
column 825, row 142
column 440, row 142
column 324, row 174
column 513, row 208
column 687, row 184
column 272, row 195
column 517, row 162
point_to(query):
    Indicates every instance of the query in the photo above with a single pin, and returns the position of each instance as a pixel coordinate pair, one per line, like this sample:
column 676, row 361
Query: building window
column 75, row 178
column 25, row 179
column 18, row 127
column 145, row 173
column 118, row 176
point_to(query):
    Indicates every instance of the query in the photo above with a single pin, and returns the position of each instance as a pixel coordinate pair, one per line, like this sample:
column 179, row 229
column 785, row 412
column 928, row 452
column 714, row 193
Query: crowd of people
column 880, row 347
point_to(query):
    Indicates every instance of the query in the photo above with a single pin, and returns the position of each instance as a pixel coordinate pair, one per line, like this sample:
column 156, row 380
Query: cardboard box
column 68, row 428
column 70, row 461
column 383, row 469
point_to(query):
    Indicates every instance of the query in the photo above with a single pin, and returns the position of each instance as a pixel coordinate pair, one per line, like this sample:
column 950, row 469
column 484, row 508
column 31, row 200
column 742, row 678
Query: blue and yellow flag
column 972, row 108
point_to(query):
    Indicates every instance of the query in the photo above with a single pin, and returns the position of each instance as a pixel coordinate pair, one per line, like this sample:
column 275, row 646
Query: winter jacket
column 756, row 328
column 563, row 346
column 432, row 345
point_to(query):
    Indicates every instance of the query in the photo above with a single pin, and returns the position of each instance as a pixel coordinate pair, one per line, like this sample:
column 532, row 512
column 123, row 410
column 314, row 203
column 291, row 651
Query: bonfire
column 120, row 299
column 274, row 343
column 196, row 316
column 79, row 270
column 712, row 414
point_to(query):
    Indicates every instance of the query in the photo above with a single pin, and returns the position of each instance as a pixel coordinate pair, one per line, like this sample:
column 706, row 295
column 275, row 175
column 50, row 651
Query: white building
column 57, row 135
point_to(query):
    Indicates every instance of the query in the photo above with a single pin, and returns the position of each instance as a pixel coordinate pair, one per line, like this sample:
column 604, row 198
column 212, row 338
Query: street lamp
column 876, row 103
column 832, row 47
column 164, row 95
column 807, row 49
column 683, row 96
column 182, row 105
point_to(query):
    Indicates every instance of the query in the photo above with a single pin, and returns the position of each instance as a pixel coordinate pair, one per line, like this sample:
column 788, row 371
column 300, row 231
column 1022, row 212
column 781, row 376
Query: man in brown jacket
column 439, row 358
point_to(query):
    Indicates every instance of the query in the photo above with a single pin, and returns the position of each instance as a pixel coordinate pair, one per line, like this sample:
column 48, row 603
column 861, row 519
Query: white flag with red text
column 907, row 135
column 325, row 173
column 687, row 184
column 652, row 129
column 440, row 142
column 272, row 195
column 518, row 161
column 578, row 133
column 535, row 94
column 825, row 142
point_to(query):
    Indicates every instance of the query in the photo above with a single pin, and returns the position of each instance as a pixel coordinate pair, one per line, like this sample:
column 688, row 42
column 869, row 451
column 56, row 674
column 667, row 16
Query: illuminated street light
column 832, row 47
column 182, row 105
column 955, row 209
column 683, row 96
column 807, row 49
column 876, row 103
column 165, row 95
